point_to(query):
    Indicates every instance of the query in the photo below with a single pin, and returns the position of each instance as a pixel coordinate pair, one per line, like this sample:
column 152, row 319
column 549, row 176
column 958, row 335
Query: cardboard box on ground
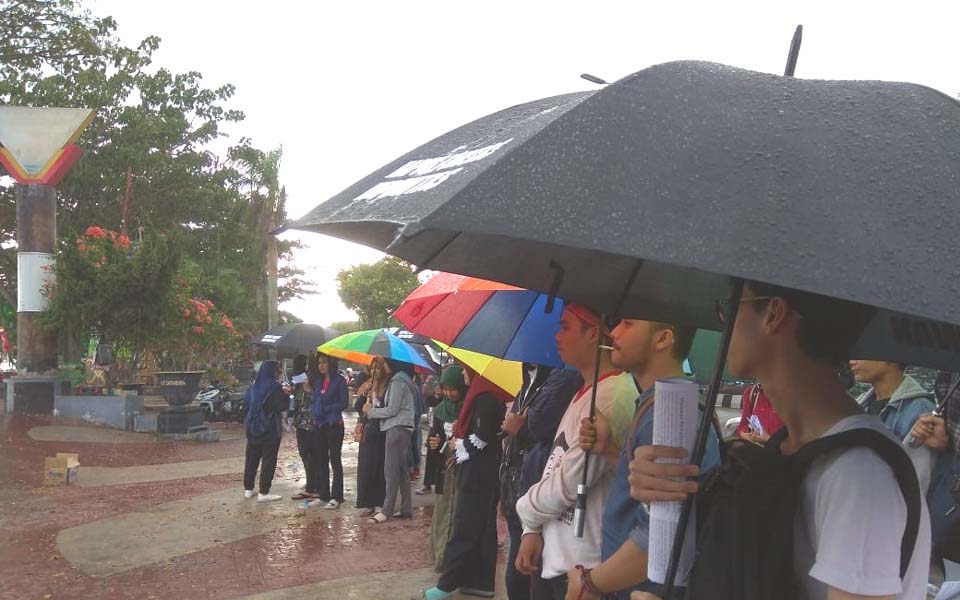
column 62, row 469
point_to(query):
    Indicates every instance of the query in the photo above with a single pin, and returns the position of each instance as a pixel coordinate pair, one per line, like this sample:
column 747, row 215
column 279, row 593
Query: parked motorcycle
column 220, row 403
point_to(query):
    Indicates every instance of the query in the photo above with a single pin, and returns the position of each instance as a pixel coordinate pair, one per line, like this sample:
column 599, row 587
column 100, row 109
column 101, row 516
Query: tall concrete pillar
column 37, row 148
column 36, row 247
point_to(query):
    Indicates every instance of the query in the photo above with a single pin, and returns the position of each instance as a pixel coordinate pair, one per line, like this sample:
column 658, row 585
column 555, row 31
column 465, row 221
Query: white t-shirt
column 849, row 527
column 548, row 506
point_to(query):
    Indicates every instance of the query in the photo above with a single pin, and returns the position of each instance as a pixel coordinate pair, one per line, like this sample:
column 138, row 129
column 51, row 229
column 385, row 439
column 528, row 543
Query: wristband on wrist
column 586, row 582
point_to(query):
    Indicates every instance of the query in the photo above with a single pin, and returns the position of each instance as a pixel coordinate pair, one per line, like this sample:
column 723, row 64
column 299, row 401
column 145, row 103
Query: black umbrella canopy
column 296, row 338
column 424, row 346
column 652, row 195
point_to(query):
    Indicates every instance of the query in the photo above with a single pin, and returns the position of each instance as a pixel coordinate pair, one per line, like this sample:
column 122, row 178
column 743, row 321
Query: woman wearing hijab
column 265, row 402
column 397, row 421
column 371, row 485
column 453, row 387
column 330, row 398
column 433, row 470
column 470, row 563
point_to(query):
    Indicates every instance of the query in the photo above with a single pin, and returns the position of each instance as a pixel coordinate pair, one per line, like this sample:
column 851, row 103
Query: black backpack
column 746, row 514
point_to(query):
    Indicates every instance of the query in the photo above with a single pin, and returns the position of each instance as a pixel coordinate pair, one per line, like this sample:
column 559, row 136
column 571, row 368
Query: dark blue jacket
column 544, row 414
column 328, row 407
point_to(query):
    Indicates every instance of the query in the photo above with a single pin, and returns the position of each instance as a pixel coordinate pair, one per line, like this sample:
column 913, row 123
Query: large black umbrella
column 651, row 196
column 663, row 192
column 295, row 338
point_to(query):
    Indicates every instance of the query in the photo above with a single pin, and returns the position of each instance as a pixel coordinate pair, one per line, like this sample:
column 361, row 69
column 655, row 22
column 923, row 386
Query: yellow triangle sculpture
column 39, row 143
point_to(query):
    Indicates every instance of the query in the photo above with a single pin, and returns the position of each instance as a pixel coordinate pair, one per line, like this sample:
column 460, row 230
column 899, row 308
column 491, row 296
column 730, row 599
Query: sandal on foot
column 377, row 518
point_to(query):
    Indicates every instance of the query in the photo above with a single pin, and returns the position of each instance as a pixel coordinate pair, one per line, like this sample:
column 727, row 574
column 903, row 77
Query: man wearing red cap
column 546, row 510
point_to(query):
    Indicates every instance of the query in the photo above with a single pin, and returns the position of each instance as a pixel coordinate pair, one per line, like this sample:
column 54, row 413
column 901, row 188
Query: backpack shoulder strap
column 895, row 456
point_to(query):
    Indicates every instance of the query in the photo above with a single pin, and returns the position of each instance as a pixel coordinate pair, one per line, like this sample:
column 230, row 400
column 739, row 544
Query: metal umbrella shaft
column 714, row 389
column 580, row 509
column 702, row 433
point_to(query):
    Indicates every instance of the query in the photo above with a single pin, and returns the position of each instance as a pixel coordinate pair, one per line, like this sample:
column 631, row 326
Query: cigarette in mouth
column 606, row 347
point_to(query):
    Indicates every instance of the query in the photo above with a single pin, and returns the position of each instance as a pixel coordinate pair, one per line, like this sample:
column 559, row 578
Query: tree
column 375, row 291
column 342, row 327
column 160, row 126
column 104, row 283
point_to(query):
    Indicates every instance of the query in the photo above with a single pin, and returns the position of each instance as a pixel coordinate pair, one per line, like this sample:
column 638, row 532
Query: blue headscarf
column 263, row 386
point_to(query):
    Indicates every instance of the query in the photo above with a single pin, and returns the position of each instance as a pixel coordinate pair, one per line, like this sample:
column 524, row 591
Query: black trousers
column 471, row 555
column 433, row 471
column 518, row 584
column 330, row 444
column 308, row 444
column 551, row 589
column 265, row 457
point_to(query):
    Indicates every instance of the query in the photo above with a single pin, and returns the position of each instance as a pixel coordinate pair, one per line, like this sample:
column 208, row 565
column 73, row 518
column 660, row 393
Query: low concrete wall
column 32, row 395
column 114, row 411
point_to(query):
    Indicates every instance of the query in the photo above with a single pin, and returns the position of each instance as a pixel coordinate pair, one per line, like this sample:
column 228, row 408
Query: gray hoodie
column 399, row 404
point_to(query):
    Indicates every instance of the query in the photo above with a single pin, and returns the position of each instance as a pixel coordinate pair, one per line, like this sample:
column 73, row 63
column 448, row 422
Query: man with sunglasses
column 851, row 515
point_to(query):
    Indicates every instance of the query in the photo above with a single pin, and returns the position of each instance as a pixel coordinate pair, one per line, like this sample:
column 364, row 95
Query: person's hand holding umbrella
column 513, row 423
column 596, row 438
column 931, row 430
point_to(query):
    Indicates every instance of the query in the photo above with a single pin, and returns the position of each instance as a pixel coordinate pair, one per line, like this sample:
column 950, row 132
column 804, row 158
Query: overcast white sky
column 346, row 87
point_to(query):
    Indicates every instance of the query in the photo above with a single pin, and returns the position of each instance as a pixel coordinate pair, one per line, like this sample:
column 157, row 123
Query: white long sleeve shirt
column 548, row 505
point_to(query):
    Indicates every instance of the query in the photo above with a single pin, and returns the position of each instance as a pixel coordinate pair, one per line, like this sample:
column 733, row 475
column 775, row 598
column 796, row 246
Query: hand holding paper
column 674, row 424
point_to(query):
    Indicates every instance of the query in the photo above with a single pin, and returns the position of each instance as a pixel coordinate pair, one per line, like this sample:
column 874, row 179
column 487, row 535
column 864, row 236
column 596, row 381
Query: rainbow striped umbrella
column 362, row 346
column 505, row 374
column 488, row 317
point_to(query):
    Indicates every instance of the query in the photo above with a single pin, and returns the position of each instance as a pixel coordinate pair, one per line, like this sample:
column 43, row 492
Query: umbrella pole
column 701, row 443
column 580, row 509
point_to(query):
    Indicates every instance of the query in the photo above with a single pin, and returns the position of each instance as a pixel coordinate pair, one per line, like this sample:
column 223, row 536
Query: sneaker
column 433, row 593
column 477, row 592
column 248, row 493
column 268, row 497
column 333, row 504
column 422, row 491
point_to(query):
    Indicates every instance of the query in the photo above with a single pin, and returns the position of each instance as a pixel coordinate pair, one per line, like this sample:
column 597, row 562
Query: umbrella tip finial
column 794, row 52
column 593, row 79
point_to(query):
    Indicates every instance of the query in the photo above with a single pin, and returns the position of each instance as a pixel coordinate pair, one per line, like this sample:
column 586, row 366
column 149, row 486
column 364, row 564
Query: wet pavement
column 155, row 518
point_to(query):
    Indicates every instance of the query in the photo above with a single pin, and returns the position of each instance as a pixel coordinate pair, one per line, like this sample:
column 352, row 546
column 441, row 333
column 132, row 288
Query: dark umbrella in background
column 661, row 193
column 295, row 338
column 421, row 343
